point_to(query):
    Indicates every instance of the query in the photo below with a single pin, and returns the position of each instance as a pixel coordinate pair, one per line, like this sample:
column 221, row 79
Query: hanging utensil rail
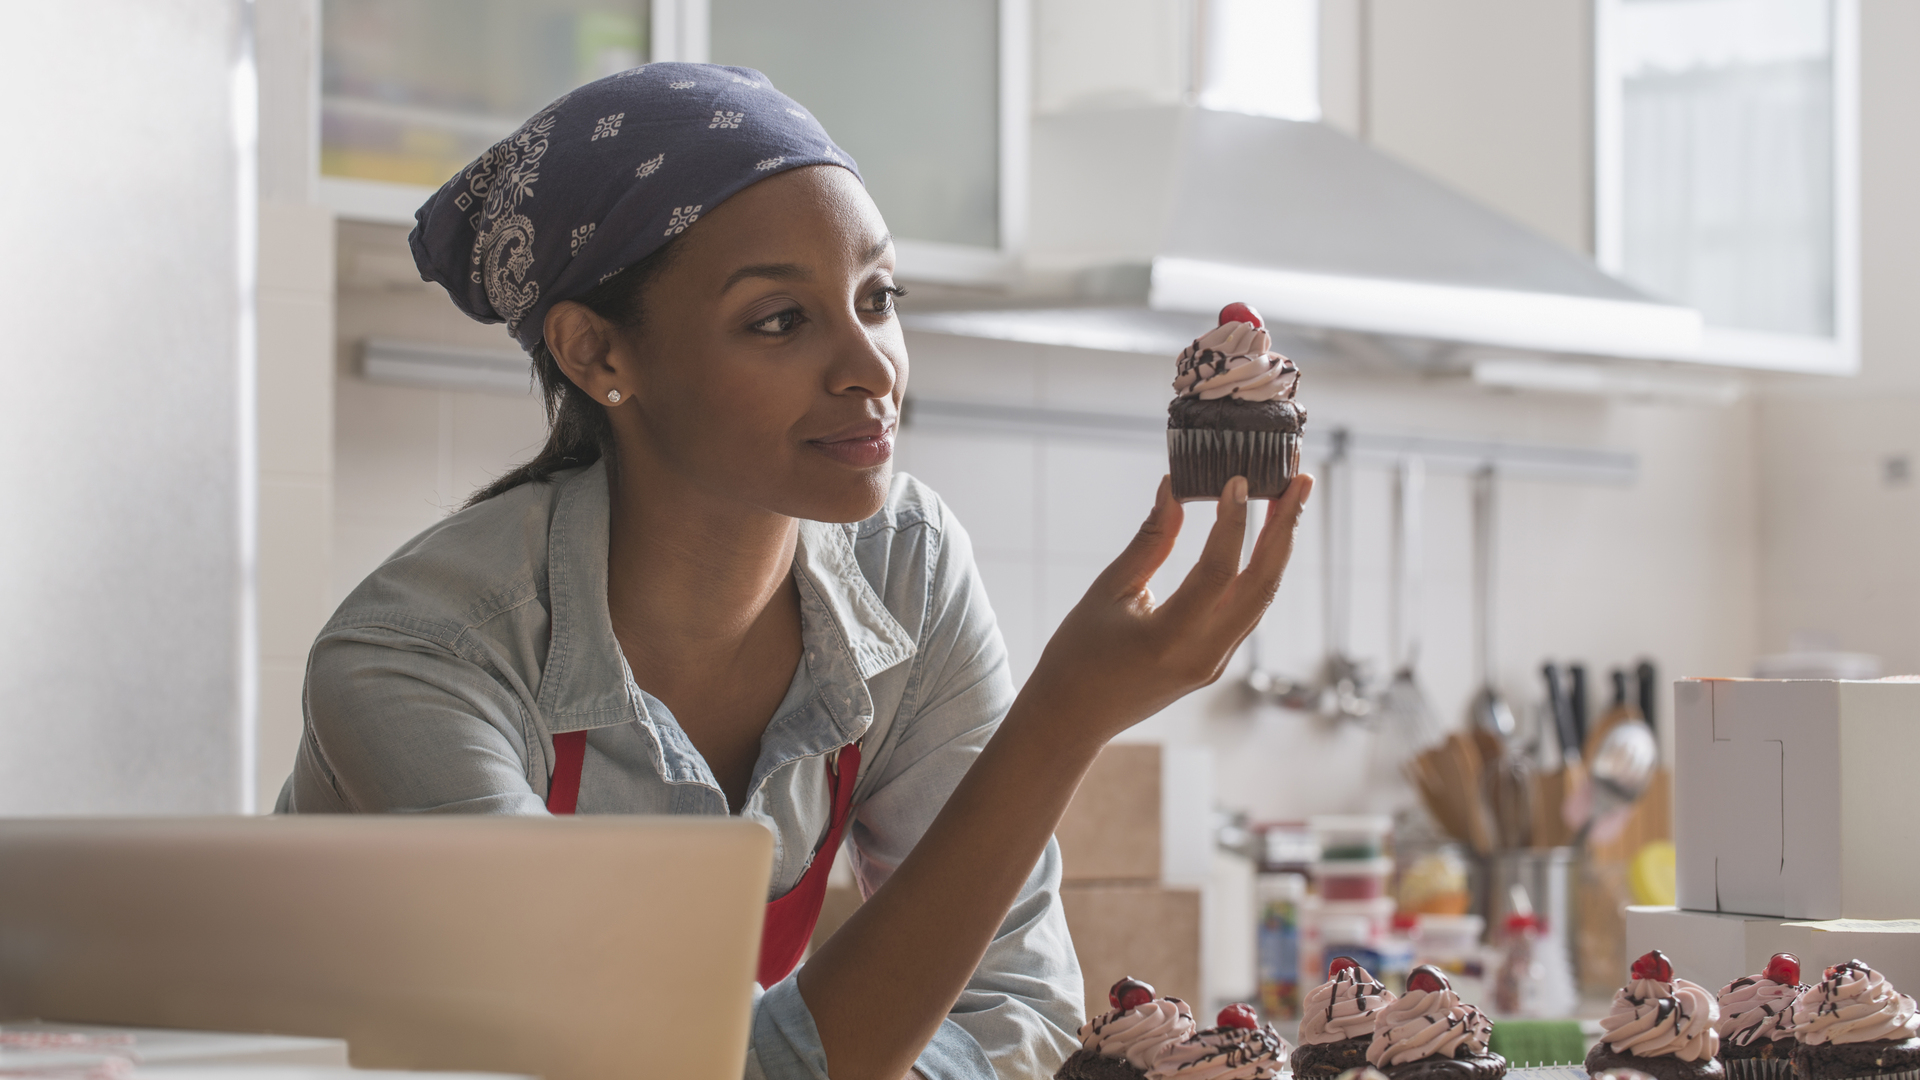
column 1522, row 461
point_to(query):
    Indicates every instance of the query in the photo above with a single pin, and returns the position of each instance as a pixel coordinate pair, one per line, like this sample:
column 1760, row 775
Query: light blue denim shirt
column 439, row 684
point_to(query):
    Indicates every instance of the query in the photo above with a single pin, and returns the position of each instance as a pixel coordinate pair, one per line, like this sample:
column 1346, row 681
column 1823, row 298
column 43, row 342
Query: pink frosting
column 1651, row 1018
column 1755, row 1009
column 1139, row 1034
column 1343, row 1007
column 1424, row 1024
column 1234, row 360
column 1853, row 1004
column 1224, row 1053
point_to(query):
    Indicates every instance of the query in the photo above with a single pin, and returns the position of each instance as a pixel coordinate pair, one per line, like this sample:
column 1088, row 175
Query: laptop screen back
column 584, row 948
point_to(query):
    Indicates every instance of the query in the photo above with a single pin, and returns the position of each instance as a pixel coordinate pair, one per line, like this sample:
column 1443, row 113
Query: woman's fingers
column 1253, row 590
column 1148, row 549
column 1219, row 561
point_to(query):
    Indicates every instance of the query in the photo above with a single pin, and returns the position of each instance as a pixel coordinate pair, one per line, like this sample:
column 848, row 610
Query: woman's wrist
column 1056, row 725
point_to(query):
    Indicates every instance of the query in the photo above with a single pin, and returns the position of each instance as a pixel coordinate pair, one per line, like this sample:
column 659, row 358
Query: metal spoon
column 1622, row 766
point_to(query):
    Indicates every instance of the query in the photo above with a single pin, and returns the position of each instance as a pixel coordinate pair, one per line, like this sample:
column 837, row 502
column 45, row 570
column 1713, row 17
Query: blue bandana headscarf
column 602, row 178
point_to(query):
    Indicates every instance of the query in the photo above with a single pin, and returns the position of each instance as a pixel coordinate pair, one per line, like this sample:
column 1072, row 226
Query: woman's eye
column 883, row 299
column 778, row 323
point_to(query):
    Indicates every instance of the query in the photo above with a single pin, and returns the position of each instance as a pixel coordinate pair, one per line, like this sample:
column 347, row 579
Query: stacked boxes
column 1124, row 919
column 1790, row 828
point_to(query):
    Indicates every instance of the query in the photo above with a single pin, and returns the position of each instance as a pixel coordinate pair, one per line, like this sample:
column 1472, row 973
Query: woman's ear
column 583, row 344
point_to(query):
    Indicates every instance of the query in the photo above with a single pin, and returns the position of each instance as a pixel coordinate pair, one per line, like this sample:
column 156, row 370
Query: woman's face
column 768, row 367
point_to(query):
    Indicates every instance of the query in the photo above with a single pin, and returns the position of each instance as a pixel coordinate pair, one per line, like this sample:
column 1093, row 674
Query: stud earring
column 613, row 396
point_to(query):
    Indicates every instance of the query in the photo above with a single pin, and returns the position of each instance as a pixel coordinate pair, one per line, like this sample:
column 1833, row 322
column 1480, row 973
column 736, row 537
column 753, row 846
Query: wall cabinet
column 930, row 99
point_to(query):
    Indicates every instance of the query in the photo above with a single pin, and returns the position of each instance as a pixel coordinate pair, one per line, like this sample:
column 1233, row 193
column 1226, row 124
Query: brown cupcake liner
column 1204, row 459
column 1758, row 1068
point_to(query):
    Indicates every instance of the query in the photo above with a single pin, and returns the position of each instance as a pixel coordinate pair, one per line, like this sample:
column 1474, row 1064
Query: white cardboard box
column 1710, row 949
column 1790, row 797
column 1713, row 950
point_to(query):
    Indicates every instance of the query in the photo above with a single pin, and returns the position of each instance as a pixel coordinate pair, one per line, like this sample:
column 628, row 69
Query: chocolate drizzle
column 1361, row 990
column 1259, row 1047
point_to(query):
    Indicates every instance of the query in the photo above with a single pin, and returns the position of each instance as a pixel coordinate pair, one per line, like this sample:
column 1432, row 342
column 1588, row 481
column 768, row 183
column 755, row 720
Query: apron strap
column 569, row 754
column 790, row 920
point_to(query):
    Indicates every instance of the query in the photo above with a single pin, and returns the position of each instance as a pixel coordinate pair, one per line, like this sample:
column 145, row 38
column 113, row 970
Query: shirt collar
column 848, row 634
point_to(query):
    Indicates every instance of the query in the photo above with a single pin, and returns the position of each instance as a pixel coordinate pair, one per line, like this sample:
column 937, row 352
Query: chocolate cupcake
column 1238, row 1047
column 1755, row 1014
column 1853, row 1024
column 1234, row 413
column 1659, row 1025
column 1430, row 1034
column 1125, row 1043
column 1336, row 1020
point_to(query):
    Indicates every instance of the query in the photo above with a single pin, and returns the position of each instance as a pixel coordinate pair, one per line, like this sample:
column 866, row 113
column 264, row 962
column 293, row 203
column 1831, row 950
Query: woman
column 709, row 594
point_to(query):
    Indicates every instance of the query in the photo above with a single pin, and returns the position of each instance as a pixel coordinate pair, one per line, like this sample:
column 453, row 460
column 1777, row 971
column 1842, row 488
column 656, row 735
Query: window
column 1726, row 170
column 412, row 90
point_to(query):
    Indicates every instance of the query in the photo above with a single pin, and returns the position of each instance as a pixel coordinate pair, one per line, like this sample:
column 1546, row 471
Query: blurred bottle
column 1278, row 898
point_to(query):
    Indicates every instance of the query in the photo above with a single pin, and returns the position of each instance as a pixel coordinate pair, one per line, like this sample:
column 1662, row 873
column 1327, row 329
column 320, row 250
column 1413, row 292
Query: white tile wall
column 296, row 495
column 407, row 456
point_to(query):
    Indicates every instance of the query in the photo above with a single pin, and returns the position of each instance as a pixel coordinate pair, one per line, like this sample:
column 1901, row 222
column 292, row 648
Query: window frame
column 1722, row 345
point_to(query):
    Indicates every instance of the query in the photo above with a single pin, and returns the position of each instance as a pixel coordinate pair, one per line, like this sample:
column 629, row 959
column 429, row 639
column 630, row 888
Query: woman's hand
column 1119, row 657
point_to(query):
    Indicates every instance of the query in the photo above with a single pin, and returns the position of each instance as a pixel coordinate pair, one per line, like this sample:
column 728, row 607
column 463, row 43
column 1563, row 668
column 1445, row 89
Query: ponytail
column 578, row 432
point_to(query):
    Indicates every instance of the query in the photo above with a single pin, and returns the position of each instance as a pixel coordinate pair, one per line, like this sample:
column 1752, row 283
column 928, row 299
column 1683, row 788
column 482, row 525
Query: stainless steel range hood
column 1145, row 221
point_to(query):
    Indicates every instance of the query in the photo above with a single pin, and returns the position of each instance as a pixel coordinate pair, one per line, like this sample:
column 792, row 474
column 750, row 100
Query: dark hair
column 577, row 429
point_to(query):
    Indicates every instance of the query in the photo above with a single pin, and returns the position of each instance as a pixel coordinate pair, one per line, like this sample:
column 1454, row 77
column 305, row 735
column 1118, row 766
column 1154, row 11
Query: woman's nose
column 863, row 365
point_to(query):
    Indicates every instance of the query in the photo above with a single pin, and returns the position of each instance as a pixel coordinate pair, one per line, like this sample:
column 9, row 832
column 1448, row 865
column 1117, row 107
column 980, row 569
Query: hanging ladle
column 1489, row 711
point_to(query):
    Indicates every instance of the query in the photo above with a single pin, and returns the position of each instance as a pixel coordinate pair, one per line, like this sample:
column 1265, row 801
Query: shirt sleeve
column 398, row 723
column 1020, row 1011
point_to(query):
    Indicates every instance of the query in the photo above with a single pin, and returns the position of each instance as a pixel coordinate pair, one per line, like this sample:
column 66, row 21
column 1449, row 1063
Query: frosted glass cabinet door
column 912, row 91
column 412, row 90
column 1726, row 169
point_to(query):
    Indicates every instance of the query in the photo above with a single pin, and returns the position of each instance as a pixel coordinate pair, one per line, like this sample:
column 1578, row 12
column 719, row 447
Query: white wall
column 126, row 568
column 1838, row 538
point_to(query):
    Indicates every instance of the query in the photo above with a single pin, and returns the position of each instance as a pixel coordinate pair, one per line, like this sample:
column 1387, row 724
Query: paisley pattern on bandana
column 503, row 250
column 629, row 162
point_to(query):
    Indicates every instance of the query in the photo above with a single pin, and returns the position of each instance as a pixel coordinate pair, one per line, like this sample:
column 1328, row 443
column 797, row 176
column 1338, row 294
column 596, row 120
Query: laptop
column 586, row 948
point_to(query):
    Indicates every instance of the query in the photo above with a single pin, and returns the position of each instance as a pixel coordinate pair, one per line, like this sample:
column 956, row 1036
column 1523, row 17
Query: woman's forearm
column 880, row 987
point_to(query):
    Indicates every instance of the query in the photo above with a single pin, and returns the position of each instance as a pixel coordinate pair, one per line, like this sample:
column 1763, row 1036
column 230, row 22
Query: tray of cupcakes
column 1851, row 1025
column 1353, row 1027
column 1147, row 1036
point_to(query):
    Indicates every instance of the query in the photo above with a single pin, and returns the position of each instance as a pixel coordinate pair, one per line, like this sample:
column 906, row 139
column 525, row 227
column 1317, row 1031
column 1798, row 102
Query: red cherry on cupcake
column 1784, row 969
column 1654, row 965
column 1339, row 964
column 1239, row 1015
column 1129, row 993
column 1239, row 312
column 1428, row 979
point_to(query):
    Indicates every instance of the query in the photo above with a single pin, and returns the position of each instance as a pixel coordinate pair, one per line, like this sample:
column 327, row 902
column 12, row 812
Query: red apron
column 790, row 919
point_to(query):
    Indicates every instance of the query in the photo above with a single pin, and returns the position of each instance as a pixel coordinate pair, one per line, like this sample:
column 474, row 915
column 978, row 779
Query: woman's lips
column 862, row 448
